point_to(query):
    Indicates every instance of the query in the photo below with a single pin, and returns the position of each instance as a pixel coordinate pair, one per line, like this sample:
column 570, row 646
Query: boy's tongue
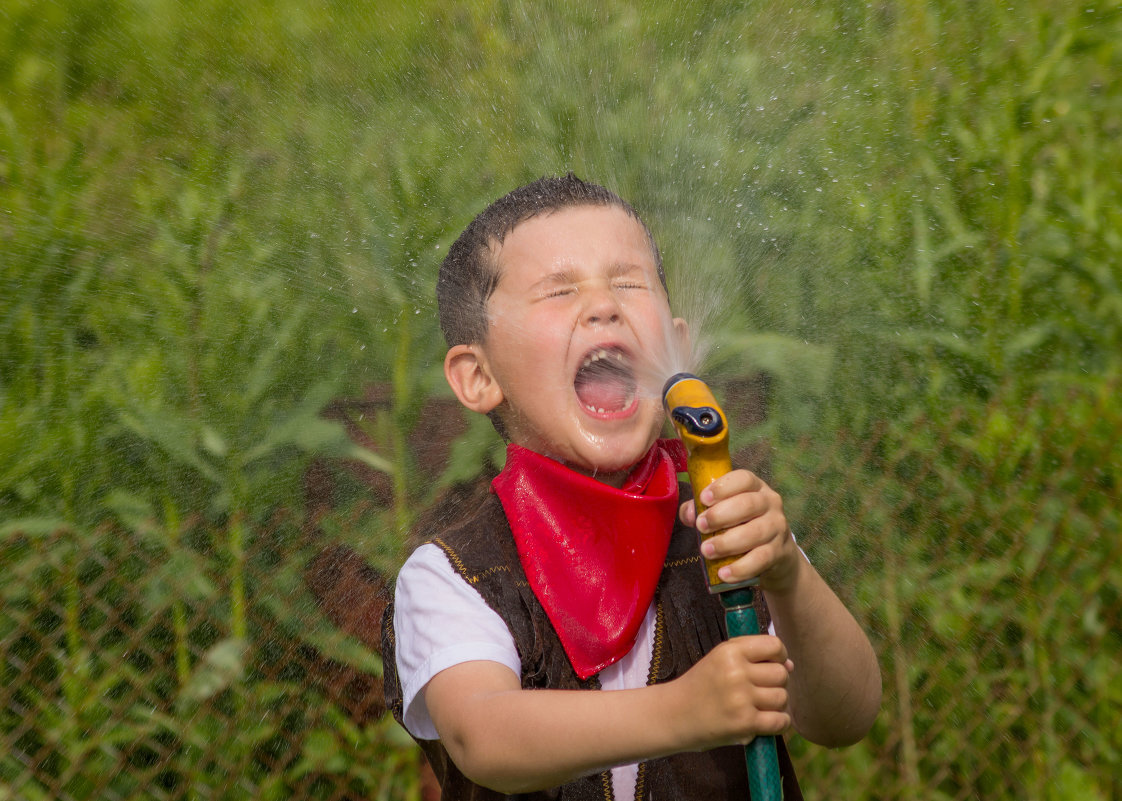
column 611, row 396
column 605, row 386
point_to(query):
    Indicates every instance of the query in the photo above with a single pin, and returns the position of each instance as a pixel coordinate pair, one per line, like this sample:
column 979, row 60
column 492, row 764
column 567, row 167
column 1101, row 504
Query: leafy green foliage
column 978, row 552
column 218, row 219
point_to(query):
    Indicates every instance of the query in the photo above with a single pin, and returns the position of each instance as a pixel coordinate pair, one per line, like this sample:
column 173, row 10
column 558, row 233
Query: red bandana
column 592, row 553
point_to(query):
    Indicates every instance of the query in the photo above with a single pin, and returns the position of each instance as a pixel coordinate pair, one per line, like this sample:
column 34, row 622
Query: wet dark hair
column 470, row 273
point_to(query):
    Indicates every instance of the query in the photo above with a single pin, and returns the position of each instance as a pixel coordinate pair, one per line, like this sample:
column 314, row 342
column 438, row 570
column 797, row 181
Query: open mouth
column 605, row 383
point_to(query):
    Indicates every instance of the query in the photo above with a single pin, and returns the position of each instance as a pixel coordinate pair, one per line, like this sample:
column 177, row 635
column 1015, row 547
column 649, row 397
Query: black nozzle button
column 701, row 421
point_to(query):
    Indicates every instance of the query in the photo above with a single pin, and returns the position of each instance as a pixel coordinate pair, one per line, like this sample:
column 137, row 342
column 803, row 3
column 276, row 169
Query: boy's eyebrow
column 559, row 277
column 571, row 276
column 621, row 268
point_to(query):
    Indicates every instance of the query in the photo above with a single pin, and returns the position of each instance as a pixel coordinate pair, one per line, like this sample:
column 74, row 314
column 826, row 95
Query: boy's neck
column 611, row 479
column 614, row 479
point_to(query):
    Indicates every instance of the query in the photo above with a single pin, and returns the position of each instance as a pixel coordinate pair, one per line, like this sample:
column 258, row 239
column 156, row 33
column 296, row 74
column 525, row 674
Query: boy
column 579, row 571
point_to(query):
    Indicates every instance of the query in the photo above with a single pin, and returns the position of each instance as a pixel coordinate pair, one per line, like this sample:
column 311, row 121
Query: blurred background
column 223, row 421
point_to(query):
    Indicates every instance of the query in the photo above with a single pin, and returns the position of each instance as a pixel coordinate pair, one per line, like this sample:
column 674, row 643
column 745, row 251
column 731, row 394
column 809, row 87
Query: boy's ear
column 469, row 375
column 682, row 331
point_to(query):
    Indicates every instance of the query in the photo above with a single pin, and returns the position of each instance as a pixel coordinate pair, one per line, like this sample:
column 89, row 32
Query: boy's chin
column 606, row 460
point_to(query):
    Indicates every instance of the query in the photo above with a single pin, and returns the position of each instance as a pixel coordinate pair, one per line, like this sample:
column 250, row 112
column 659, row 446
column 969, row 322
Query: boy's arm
column 516, row 740
column 835, row 687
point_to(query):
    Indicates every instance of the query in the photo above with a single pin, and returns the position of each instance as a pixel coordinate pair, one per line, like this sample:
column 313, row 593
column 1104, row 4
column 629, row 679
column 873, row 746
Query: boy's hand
column 835, row 694
column 736, row 692
column 755, row 528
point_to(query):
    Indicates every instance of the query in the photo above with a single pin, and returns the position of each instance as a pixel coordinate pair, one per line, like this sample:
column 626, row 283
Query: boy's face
column 574, row 325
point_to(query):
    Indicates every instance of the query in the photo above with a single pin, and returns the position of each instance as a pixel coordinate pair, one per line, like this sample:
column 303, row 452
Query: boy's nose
column 601, row 306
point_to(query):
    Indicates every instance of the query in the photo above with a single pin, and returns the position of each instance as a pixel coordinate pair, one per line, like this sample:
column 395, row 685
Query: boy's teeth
column 602, row 354
column 605, row 382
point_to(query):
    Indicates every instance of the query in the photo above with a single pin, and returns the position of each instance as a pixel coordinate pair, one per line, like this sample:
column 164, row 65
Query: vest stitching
column 457, row 563
column 640, row 781
column 688, row 560
column 606, row 785
column 652, row 674
column 487, row 572
column 659, row 637
column 461, row 568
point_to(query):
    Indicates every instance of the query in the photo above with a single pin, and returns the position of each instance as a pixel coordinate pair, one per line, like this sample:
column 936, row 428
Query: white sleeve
column 439, row 621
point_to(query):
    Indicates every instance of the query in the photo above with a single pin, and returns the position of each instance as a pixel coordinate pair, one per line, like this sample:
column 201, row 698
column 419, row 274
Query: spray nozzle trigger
column 701, row 421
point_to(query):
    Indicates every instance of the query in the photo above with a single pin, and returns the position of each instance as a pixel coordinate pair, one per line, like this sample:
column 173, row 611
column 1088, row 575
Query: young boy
column 580, row 572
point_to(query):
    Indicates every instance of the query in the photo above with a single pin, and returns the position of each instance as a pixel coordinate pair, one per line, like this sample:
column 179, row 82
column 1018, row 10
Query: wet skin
column 574, row 284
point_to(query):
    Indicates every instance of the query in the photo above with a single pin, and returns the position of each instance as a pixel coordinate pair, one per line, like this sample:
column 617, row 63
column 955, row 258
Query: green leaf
column 182, row 577
column 807, row 366
column 133, row 510
column 924, row 257
column 1075, row 783
column 174, row 436
column 367, row 457
column 32, row 527
column 221, row 667
column 305, row 431
column 263, row 371
column 1026, row 341
column 213, row 442
column 471, row 450
column 321, row 753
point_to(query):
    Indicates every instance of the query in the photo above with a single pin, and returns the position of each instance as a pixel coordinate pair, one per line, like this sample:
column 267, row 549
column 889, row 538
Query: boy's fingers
column 731, row 483
column 756, row 549
column 740, row 508
column 752, row 565
column 772, row 722
column 763, row 650
column 743, row 537
column 687, row 513
column 770, row 699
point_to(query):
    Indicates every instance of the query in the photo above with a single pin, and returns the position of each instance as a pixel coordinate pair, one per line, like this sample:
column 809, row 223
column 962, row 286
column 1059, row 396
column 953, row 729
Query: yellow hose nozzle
column 703, row 428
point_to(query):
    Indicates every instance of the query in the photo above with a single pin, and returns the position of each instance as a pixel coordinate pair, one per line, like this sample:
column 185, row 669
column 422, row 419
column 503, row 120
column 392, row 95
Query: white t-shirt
column 440, row 621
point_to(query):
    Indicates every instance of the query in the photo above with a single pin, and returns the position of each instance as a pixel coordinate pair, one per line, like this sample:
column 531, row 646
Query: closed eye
column 558, row 292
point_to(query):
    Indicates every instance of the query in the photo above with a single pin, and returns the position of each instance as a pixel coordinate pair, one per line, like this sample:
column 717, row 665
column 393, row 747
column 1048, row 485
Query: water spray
column 703, row 429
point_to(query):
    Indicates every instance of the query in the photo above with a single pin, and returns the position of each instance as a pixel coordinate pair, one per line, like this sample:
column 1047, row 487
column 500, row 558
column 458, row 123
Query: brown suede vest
column 690, row 622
